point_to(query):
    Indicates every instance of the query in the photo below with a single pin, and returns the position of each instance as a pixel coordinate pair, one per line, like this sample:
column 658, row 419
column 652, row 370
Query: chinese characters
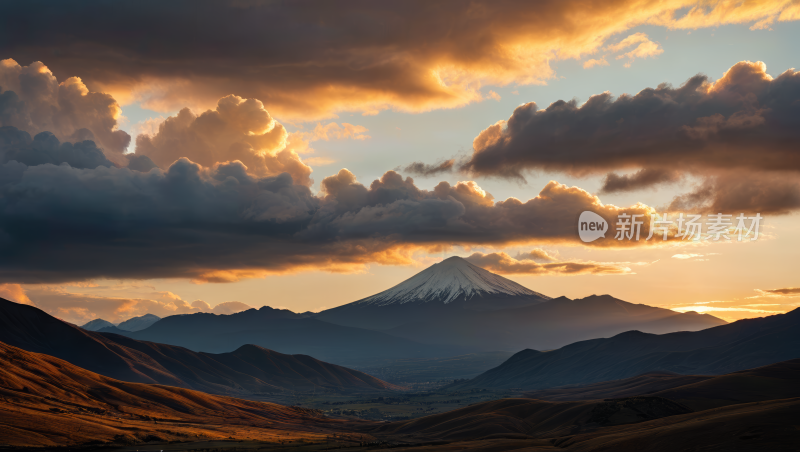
column 690, row 227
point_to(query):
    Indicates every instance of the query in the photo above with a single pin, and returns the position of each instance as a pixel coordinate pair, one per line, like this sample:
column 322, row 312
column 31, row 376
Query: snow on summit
column 452, row 279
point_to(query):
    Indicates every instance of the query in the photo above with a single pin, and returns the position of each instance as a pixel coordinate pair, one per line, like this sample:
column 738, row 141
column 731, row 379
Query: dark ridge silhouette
column 289, row 333
column 728, row 348
column 97, row 324
column 138, row 323
column 249, row 369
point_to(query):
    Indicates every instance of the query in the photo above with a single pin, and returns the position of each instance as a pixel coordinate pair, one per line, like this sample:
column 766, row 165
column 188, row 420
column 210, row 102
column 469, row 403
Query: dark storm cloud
column 44, row 148
column 424, row 169
column 313, row 58
column 218, row 224
column 744, row 120
column 742, row 191
column 739, row 134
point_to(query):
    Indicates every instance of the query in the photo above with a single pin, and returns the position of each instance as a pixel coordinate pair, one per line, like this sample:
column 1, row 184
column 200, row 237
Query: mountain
column 47, row 402
column 287, row 332
column 138, row 323
column 97, row 324
column 248, row 369
column 551, row 324
column 444, row 289
column 727, row 348
column 755, row 409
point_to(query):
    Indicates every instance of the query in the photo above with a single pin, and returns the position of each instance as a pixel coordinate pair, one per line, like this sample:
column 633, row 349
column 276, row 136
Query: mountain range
column 132, row 324
column 727, row 348
column 448, row 309
column 246, row 370
column 286, row 332
column 457, row 303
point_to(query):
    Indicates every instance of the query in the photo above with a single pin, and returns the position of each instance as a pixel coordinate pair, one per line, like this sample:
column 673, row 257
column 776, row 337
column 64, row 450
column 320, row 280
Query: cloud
column 335, row 131
column 32, row 100
column 644, row 48
column 644, row 178
column 686, row 256
column 223, row 223
column 538, row 255
column 314, row 59
column 80, row 308
column 237, row 130
column 230, row 307
column 588, row 64
column 785, row 292
column 14, row 292
column 773, row 192
column 737, row 134
column 424, row 169
column 493, row 95
column 18, row 146
column 504, row 264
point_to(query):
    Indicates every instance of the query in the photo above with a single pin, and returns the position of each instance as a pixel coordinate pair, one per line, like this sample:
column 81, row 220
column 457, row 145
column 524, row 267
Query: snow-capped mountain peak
column 450, row 280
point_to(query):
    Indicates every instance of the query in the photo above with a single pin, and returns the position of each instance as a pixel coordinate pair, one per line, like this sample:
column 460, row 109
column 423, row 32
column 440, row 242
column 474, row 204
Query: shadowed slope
column 249, row 369
column 45, row 401
column 698, row 392
column 551, row 324
column 728, row 348
column 286, row 332
column 754, row 407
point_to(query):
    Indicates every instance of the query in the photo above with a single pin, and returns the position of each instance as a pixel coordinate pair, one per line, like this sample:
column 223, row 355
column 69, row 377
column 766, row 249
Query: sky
column 186, row 157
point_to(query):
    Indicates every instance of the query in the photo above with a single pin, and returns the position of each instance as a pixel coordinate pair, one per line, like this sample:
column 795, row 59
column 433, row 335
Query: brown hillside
column 45, row 401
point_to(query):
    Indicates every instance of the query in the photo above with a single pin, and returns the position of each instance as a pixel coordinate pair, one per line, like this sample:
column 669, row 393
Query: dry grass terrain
column 45, row 401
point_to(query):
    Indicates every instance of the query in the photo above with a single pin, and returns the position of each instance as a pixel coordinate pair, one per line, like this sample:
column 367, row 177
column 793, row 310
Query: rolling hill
column 248, row 369
column 46, row 401
column 727, row 348
column 755, row 409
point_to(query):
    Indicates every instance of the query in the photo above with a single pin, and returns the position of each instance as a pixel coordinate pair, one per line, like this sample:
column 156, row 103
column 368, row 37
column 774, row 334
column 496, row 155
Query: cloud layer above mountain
column 738, row 134
column 222, row 223
column 313, row 58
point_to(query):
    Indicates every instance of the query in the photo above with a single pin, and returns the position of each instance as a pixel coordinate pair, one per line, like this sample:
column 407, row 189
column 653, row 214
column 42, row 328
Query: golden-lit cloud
column 32, row 100
column 14, row 292
column 785, row 292
column 123, row 302
column 237, row 129
column 313, row 60
column 588, row 64
column 644, row 48
column 504, row 264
